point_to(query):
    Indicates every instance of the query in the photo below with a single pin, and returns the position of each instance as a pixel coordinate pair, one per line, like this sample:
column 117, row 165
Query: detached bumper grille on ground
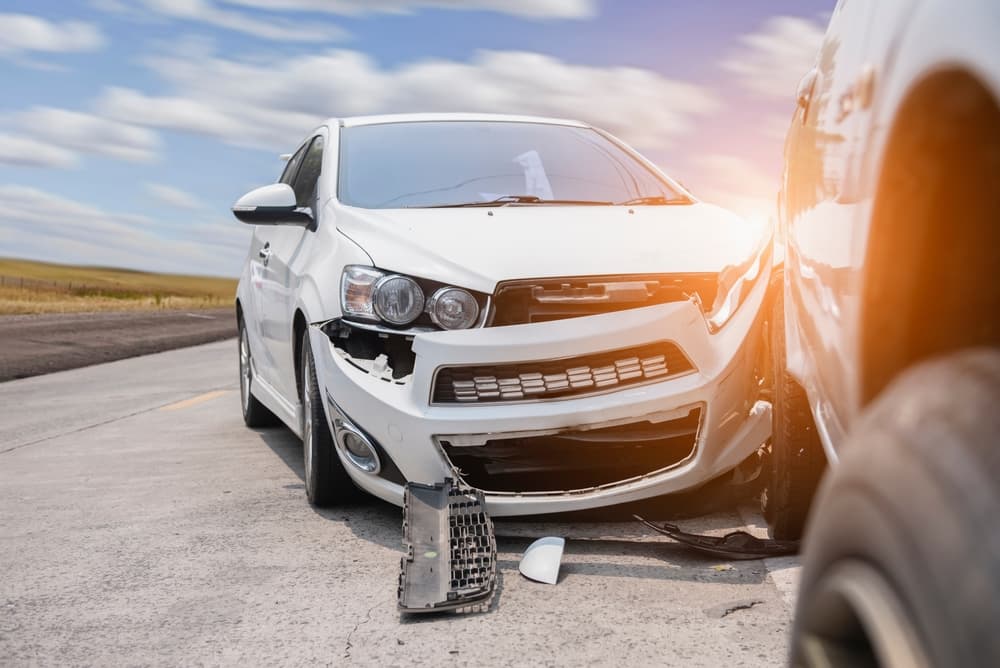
column 451, row 554
column 575, row 459
column 573, row 376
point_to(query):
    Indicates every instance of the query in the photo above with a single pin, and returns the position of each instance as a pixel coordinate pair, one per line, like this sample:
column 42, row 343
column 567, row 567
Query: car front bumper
column 409, row 428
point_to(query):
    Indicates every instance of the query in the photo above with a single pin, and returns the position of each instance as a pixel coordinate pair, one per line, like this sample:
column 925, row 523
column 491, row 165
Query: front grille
column 542, row 299
column 574, row 376
column 575, row 459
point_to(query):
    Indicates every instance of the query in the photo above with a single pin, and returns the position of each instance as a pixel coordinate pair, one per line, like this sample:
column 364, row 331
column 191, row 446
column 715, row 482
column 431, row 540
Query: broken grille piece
column 734, row 545
column 450, row 561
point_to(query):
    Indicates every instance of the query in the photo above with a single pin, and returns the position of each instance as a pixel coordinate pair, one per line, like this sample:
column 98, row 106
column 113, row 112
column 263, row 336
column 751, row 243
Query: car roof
column 419, row 118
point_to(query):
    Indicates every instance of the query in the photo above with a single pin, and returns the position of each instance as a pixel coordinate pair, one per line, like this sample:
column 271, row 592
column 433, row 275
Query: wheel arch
column 933, row 246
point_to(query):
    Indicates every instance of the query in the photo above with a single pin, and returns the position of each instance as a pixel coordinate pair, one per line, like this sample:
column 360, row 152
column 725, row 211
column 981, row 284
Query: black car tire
column 327, row 483
column 797, row 461
column 902, row 557
column 255, row 414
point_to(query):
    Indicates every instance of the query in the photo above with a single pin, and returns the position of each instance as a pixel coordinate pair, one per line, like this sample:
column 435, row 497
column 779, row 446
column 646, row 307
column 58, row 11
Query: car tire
column 902, row 558
column 796, row 461
column 327, row 483
column 255, row 414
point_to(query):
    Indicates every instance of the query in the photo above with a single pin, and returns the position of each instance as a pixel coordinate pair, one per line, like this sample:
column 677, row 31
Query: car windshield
column 476, row 163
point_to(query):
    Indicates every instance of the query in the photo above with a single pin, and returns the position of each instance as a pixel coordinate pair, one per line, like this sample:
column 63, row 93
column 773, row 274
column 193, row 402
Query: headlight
column 357, row 291
column 398, row 299
column 453, row 308
column 371, row 294
column 735, row 283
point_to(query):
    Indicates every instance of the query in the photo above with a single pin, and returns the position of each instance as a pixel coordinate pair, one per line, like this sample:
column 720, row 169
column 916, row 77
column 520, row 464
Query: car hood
column 478, row 247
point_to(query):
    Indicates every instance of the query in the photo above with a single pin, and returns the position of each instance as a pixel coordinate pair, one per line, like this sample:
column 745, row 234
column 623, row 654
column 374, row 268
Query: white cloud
column 62, row 216
column 771, row 61
column 41, row 224
column 534, row 9
column 273, row 104
column 27, row 152
column 208, row 11
column 24, row 32
column 177, row 113
column 87, row 133
column 174, row 197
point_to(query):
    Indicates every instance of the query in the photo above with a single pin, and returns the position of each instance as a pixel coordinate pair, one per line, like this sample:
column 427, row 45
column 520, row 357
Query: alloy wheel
column 245, row 370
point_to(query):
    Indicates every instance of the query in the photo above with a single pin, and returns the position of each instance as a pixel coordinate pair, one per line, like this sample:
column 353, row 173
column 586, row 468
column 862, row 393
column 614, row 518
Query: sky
column 128, row 127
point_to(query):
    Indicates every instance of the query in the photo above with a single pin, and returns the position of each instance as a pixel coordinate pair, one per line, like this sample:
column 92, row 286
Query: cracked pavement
column 141, row 523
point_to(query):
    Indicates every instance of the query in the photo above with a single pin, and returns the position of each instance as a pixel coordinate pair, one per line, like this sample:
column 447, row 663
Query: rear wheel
column 902, row 556
column 796, row 460
column 327, row 483
column 255, row 414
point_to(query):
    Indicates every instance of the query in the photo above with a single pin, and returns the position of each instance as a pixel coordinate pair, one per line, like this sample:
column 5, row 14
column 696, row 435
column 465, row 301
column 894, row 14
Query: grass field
column 27, row 286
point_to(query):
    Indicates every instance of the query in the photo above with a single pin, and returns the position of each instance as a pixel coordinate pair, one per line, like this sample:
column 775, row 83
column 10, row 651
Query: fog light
column 357, row 448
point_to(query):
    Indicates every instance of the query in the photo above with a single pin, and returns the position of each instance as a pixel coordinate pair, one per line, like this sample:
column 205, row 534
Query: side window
column 305, row 182
column 292, row 167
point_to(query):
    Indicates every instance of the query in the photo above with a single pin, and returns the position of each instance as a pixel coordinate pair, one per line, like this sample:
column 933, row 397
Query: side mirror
column 271, row 205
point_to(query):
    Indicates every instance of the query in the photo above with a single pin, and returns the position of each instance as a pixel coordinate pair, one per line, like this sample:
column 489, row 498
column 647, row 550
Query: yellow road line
column 201, row 398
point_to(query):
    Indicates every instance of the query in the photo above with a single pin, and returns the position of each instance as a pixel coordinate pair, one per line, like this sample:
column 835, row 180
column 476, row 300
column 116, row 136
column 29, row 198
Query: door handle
column 265, row 253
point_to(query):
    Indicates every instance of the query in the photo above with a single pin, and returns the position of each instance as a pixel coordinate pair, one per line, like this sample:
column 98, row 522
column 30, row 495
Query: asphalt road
column 38, row 344
column 141, row 523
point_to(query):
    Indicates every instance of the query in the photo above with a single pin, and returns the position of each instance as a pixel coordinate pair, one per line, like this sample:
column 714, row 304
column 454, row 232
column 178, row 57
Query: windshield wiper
column 655, row 200
column 514, row 199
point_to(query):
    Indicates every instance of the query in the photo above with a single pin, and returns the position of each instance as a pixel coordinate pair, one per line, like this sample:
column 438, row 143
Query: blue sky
column 128, row 127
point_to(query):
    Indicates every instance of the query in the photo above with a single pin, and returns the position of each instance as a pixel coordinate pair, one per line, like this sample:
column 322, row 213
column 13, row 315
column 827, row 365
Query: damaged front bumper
column 629, row 433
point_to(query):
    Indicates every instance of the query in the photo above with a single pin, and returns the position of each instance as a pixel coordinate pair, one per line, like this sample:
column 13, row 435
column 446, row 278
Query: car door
column 286, row 244
column 267, row 286
column 259, row 245
column 820, row 201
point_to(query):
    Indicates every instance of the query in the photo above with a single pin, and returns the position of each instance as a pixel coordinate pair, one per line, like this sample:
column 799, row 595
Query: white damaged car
column 524, row 304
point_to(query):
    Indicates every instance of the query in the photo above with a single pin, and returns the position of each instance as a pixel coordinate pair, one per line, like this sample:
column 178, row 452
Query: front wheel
column 796, row 461
column 902, row 557
column 327, row 483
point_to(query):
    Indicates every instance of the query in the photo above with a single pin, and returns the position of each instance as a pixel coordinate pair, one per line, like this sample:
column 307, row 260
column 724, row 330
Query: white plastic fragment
column 380, row 367
column 542, row 559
